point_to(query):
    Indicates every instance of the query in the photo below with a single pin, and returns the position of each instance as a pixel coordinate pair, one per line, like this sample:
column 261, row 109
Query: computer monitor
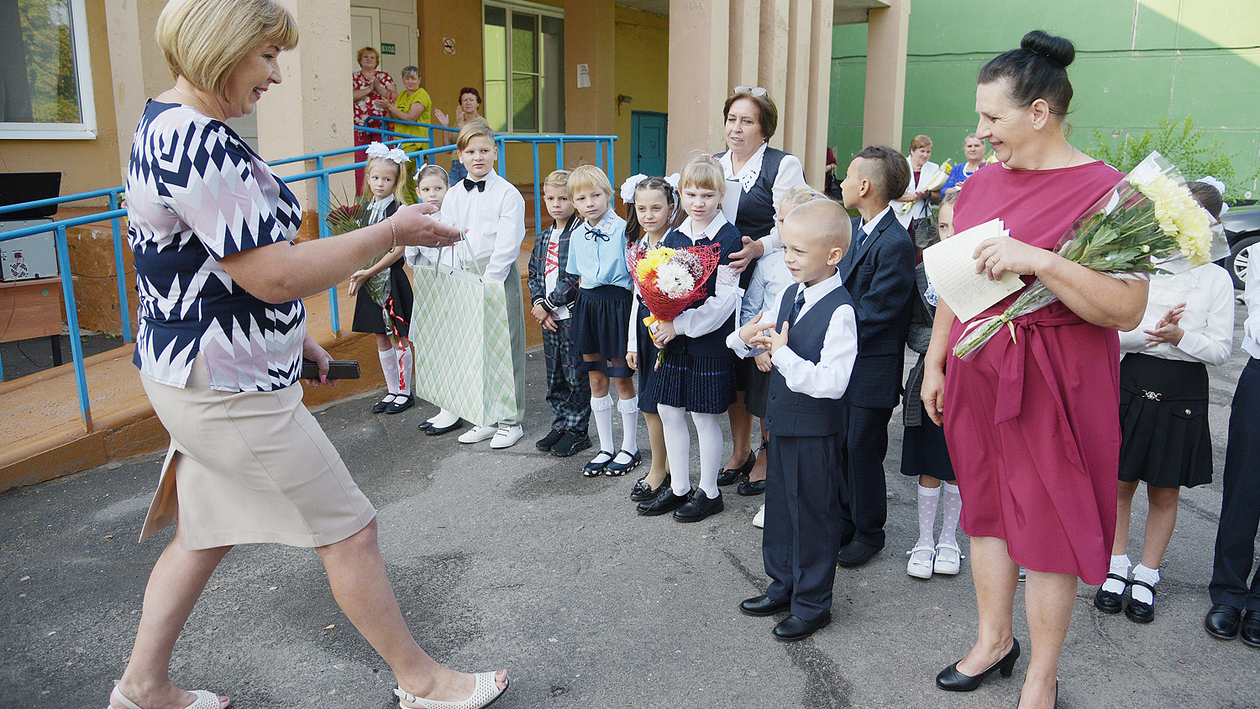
column 20, row 187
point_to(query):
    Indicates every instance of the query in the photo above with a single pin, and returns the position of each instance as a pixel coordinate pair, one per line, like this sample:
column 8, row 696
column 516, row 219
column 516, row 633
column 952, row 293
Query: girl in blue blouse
column 597, row 253
column 697, row 374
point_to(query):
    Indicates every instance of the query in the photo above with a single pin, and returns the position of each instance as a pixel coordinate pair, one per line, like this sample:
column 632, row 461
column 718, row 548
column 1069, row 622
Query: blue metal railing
column 115, row 213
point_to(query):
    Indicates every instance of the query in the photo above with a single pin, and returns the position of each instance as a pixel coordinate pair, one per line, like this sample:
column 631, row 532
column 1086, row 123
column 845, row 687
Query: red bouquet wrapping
column 670, row 280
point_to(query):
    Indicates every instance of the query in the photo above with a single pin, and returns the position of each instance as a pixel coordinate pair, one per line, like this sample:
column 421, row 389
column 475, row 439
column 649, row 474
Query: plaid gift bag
column 463, row 348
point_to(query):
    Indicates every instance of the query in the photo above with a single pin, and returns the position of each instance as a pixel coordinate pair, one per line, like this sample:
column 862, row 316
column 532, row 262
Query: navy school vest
column 789, row 413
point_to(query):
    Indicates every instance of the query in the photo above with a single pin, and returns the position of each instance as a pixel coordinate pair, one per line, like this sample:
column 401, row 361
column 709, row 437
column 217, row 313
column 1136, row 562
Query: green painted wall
column 1137, row 61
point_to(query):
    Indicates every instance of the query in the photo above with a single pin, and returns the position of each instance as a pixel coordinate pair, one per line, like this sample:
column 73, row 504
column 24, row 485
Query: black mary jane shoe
column 402, row 402
column 1109, row 602
column 380, row 406
column 615, row 469
column 1136, row 610
column 595, row 469
column 761, row 606
column 425, row 425
column 792, row 628
column 1223, row 621
column 751, row 488
column 442, row 430
column 642, row 493
column 665, row 501
column 727, row 476
column 951, row 680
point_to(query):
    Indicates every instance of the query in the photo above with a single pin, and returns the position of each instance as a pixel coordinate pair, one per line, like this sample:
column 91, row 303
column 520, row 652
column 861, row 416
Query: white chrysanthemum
column 1181, row 217
column 674, row 280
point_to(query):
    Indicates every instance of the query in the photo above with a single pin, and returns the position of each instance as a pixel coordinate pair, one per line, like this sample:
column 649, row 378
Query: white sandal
column 918, row 566
column 483, row 695
column 948, row 559
column 205, row 700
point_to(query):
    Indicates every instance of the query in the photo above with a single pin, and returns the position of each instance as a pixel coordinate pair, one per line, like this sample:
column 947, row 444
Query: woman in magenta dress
column 1032, row 424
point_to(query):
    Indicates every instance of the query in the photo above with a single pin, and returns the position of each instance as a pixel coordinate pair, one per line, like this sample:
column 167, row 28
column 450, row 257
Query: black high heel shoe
column 727, row 476
column 951, row 680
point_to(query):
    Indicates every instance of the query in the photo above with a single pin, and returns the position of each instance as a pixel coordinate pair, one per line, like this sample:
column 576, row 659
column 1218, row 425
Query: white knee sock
column 709, row 434
column 1120, row 567
column 404, row 371
column 928, row 499
column 677, row 447
column 629, row 409
column 1141, row 593
column 952, row 501
column 389, row 365
column 601, row 411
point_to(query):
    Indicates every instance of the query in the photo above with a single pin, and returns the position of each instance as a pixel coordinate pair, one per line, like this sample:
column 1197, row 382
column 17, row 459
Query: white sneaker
column 759, row 519
column 478, row 434
column 507, row 436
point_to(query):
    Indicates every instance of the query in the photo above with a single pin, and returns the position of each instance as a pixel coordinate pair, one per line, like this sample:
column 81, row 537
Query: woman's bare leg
column 174, row 586
column 996, row 578
column 758, row 472
column 1049, row 599
column 741, row 432
column 356, row 573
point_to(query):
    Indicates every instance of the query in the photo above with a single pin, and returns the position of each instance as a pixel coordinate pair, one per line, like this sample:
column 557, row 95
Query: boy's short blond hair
column 588, row 177
column 203, row 41
column 798, row 195
column 704, row 172
column 557, row 178
column 825, row 218
column 472, row 129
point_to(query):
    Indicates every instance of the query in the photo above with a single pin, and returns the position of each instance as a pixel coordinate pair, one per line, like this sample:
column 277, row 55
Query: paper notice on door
column 952, row 270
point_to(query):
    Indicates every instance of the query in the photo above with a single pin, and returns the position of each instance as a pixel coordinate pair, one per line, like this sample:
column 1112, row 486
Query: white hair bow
column 1209, row 180
column 628, row 187
column 379, row 150
column 673, row 180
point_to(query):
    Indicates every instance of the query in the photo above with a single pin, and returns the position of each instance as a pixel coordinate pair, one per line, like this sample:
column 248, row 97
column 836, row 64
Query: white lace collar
column 747, row 177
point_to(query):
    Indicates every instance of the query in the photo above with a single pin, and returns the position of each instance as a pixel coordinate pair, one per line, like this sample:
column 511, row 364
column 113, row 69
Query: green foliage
column 1182, row 143
column 49, row 50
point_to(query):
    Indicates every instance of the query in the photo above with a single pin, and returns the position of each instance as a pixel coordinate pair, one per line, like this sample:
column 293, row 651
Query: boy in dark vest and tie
column 812, row 341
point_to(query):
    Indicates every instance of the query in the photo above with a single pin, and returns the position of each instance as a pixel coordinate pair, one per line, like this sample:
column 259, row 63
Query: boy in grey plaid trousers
column 552, row 290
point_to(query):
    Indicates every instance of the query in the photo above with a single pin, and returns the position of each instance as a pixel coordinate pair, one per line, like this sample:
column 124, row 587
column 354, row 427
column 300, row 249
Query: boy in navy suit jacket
column 878, row 272
column 813, row 343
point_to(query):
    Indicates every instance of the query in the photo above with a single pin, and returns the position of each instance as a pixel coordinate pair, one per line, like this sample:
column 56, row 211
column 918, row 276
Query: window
column 524, row 54
column 45, row 77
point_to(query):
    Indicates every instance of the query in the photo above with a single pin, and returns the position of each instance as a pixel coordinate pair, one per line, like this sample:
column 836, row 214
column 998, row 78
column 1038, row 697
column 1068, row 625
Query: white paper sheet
column 952, row 271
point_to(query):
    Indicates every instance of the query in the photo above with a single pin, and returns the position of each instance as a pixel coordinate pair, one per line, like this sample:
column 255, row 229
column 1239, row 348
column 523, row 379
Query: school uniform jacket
column 566, row 288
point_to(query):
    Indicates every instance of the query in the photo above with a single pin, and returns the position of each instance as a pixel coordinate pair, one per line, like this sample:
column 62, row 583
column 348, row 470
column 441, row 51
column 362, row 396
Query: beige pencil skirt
column 249, row 467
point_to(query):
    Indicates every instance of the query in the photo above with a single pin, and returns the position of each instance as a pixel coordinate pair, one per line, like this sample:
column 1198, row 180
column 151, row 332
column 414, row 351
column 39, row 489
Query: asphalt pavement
column 513, row 559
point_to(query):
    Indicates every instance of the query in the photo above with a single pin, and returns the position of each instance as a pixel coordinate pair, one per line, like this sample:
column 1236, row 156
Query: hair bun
column 1058, row 50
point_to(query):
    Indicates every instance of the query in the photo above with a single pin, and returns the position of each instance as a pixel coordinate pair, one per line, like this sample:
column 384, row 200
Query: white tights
column 678, row 448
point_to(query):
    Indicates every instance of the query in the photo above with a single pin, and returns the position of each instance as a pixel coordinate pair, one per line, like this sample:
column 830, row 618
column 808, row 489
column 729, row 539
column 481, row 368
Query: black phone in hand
column 337, row 369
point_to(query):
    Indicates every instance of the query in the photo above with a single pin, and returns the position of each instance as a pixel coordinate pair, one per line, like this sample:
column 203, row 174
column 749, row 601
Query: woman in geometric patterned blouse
column 220, row 344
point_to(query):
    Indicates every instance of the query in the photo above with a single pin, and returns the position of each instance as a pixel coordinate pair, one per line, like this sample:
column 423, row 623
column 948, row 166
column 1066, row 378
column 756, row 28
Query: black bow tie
column 596, row 235
column 470, row 184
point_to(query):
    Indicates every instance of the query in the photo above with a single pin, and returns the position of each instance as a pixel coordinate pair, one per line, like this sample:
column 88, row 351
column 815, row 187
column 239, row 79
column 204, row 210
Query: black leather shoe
column 760, row 606
column 699, row 507
column 726, row 476
column 1250, row 632
column 665, row 501
column 856, row 553
column 1109, row 602
column 1223, row 621
column 425, row 425
column 380, row 406
column 749, row 488
column 546, row 442
column 642, row 493
column 792, row 628
column 595, row 468
column 1140, row 612
column 402, row 402
column 616, row 469
column 570, row 443
column 439, row 430
column 951, row 680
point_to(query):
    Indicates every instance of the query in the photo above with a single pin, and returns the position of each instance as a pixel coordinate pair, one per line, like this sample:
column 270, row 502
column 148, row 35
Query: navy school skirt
column 601, row 316
column 703, row 385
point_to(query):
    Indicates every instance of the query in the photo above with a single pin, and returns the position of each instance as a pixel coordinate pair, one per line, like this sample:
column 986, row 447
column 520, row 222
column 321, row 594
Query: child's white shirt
column 494, row 221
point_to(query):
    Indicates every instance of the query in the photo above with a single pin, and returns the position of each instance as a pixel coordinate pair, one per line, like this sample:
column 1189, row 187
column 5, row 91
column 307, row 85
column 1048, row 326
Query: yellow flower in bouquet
column 651, row 261
column 1181, row 217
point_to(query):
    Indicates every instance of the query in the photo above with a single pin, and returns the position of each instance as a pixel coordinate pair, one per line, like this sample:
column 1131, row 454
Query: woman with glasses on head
column 757, row 178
